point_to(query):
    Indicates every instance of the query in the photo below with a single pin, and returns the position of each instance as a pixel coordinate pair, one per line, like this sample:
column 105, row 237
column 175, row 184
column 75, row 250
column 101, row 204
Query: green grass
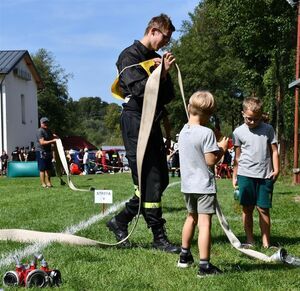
column 24, row 204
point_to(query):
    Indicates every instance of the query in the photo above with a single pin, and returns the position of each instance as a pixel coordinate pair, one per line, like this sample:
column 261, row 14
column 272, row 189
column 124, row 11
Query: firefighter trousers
column 155, row 176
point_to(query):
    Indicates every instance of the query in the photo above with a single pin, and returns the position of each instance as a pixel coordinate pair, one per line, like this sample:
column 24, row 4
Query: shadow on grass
column 85, row 186
column 282, row 240
column 285, row 193
column 173, row 209
column 147, row 245
column 246, row 267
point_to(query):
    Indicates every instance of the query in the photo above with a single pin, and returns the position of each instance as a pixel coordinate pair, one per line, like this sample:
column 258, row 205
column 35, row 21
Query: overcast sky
column 85, row 36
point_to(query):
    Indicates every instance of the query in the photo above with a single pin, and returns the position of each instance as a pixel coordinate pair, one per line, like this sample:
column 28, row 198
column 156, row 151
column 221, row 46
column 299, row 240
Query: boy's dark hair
column 162, row 22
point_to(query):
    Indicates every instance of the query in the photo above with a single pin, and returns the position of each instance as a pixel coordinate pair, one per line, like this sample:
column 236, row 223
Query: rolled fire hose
column 149, row 106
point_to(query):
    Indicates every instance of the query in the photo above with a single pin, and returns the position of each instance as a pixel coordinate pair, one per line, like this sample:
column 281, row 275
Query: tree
column 52, row 100
column 243, row 46
column 205, row 62
column 112, row 124
column 262, row 34
column 89, row 117
column 95, row 120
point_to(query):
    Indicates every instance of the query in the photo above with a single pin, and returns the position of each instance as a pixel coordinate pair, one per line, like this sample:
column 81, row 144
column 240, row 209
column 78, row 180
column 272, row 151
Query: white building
column 19, row 82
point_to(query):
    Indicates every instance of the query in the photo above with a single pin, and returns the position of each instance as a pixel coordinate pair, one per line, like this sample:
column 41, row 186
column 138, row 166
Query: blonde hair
column 162, row 22
column 202, row 102
column 253, row 104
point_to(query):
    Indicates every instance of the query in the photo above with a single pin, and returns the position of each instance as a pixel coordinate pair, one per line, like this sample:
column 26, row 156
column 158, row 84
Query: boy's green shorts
column 254, row 191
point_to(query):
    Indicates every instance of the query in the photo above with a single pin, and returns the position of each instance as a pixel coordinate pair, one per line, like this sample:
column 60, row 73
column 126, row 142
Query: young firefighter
column 256, row 168
column 133, row 78
column 198, row 154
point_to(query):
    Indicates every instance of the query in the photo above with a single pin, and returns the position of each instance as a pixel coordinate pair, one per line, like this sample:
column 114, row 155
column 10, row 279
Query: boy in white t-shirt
column 256, row 168
column 198, row 153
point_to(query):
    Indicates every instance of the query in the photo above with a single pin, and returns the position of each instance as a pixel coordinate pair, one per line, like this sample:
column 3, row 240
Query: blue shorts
column 44, row 160
column 254, row 191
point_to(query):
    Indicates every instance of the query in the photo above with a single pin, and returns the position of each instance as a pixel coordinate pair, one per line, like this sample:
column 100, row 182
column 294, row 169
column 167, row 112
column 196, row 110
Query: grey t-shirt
column 194, row 141
column 47, row 135
column 255, row 160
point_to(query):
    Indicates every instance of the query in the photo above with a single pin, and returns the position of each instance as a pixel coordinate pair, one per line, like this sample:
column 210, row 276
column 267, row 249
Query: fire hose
column 149, row 106
column 110, row 167
column 22, row 235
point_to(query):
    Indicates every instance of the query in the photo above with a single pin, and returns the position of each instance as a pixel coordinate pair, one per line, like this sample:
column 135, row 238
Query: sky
column 85, row 37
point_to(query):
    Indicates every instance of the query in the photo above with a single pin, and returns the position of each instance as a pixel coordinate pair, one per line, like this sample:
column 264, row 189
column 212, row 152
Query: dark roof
column 9, row 59
column 76, row 143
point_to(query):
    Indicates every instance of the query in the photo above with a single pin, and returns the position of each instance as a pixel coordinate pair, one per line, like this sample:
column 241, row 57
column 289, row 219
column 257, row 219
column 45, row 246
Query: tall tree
column 205, row 62
column 262, row 34
column 240, row 46
column 87, row 116
column 52, row 100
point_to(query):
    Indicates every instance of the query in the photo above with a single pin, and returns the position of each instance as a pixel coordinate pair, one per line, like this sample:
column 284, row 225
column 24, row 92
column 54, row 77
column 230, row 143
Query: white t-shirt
column 255, row 160
column 85, row 158
column 196, row 177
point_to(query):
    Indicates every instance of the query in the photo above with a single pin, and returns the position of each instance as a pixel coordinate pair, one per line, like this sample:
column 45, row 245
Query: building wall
column 21, row 119
column 1, row 114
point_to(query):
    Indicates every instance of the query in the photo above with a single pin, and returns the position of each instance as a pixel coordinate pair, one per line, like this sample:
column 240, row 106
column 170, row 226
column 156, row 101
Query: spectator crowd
column 19, row 154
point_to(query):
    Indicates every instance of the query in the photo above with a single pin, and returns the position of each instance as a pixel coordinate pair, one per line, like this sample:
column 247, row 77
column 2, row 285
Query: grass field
column 24, row 204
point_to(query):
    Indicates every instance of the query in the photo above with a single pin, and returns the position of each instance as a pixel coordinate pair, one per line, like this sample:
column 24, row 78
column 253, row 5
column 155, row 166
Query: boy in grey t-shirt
column 198, row 154
column 256, row 168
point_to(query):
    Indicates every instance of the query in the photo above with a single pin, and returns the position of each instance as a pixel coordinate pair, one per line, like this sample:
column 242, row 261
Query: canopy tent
column 77, row 143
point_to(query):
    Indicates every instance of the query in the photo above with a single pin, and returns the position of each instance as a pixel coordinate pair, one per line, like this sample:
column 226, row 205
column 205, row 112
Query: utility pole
column 296, row 85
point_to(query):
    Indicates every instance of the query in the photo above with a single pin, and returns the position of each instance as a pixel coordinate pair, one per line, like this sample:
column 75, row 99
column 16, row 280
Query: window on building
column 23, row 109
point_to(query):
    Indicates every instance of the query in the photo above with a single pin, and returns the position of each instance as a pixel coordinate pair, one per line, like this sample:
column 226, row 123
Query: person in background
column 4, row 160
column 78, row 159
column 98, row 156
column 15, row 155
column 198, row 153
column 22, row 154
column 85, row 161
column 175, row 164
column 74, row 169
column 122, row 162
column 45, row 140
column 68, row 157
column 155, row 177
column 31, row 156
column 256, row 168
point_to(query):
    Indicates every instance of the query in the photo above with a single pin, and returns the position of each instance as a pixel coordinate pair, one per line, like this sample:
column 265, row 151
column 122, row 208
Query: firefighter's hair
column 162, row 22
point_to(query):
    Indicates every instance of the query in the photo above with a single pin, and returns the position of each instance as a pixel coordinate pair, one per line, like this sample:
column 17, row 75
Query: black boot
column 120, row 230
column 62, row 182
column 161, row 242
